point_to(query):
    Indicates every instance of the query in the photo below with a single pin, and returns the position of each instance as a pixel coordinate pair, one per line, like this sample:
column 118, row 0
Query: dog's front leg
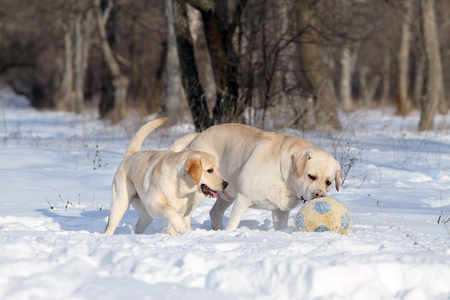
column 193, row 202
column 176, row 223
column 280, row 219
column 218, row 210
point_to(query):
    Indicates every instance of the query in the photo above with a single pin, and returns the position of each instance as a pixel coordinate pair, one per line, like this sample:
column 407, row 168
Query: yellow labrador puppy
column 162, row 184
column 266, row 170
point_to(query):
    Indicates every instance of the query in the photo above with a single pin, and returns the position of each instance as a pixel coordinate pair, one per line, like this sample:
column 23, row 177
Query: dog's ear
column 300, row 160
column 194, row 168
column 338, row 179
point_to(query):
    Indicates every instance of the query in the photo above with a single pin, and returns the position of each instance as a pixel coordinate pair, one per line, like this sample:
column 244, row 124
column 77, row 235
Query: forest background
column 279, row 63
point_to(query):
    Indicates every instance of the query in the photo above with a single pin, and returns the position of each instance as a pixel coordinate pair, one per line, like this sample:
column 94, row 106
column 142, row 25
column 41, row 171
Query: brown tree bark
column 419, row 78
column 434, row 83
column 175, row 97
column 202, row 58
column 67, row 80
column 119, row 80
column 84, row 25
column 345, row 82
column 317, row 73
column 403, row 101
column 368, row 85
column 189, row 74
column 229, row 106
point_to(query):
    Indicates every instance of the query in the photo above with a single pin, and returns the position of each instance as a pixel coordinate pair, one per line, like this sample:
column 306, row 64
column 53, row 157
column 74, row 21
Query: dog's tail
column 183, row 142
column 136, row 142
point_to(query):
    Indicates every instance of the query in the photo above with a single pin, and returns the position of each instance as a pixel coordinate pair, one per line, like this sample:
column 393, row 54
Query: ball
column 323, row 214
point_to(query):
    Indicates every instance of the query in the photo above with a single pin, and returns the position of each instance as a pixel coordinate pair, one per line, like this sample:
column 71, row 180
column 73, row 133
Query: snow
column 56, row 172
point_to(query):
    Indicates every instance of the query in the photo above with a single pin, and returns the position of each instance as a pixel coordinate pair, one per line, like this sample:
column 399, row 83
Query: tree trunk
column 120, row 82
column 79, row 78
column 107, row 88
column 67, row 81
column 202, row 58
column 403, row 101
column 419, row 78
column 83, row 30
column 368, row 86
column 189, row 73
column 317, row 73
column 434, row 83
column 175, row 97
column 219, row 32
column 153, row 104
column 287, row 103
column 227, row 109
column 386, row 78
column 346, row 78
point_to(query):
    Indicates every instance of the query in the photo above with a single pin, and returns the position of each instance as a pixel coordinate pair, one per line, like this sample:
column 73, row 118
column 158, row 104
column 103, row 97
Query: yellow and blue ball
column 324, row 214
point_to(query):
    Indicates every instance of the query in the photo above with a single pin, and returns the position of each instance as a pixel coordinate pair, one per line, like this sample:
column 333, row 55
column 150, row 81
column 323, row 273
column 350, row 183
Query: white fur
column 265, row 170
column 161, row 184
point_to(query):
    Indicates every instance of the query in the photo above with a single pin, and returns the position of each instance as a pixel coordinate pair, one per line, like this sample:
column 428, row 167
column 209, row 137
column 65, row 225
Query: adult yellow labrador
column 162, row 184
column 265, row 170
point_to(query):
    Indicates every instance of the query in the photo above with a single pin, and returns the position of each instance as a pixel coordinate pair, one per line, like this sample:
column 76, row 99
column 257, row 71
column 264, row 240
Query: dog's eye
column 312, row 177
column 328, row 182
column 210, row 170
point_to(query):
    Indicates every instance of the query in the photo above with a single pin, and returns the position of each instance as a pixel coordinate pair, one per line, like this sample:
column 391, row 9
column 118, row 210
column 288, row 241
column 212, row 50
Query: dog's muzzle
column 314, row 195
column 208, row 192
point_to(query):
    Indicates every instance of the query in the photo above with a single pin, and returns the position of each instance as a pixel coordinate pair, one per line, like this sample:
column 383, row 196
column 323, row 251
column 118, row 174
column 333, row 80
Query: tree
column 403, row 101
column 189, row 73
column 119, row 80
column 174, row 90
column 345, row 83
column 66, row 86
column 434, row 83
column 317, row 72
column 219, row 33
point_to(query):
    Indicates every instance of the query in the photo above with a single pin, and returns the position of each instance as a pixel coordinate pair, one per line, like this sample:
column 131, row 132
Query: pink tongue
column 214, row 194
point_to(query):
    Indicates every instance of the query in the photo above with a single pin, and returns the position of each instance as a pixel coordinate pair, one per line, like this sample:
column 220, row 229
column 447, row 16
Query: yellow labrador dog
column 162, row 184
column 266, row 170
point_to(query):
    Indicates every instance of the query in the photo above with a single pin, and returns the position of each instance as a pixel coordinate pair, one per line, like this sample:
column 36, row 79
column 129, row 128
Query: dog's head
column 204, row 170
column 315, row 172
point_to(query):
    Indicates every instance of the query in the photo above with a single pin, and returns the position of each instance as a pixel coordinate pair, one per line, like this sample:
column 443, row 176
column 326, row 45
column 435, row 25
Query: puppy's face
column 204, row 170
column 315, row 171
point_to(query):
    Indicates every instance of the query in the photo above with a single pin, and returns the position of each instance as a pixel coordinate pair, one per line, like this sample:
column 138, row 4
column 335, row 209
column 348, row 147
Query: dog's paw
column 177, row 228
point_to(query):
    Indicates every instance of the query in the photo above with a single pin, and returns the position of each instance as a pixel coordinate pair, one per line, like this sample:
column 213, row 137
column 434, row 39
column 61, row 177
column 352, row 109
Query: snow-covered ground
column 55, row 178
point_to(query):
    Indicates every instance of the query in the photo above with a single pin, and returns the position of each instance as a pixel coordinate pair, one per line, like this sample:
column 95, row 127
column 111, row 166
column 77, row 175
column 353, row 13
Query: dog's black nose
column 224, row 184
column 319, row 194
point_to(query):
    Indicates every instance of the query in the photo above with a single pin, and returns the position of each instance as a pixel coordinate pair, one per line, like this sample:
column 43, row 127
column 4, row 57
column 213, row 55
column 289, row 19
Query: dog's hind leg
column 218, row 210
column 280, row 219
column 144, row 218
column 122, row 192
